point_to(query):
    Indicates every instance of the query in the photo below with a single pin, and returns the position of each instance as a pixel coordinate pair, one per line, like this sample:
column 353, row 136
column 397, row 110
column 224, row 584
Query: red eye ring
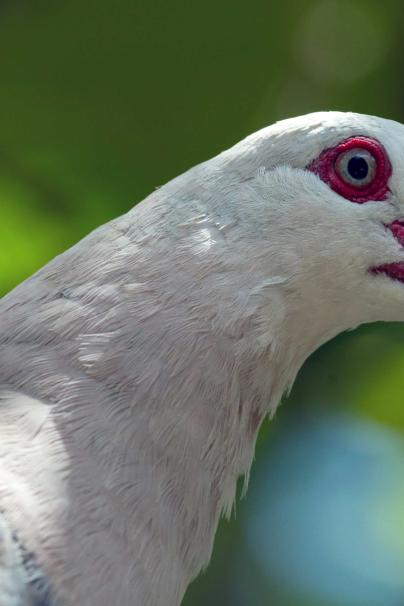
column 328, row 167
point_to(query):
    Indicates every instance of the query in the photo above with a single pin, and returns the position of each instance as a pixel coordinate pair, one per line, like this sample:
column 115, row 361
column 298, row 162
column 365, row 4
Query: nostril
column 397, row 229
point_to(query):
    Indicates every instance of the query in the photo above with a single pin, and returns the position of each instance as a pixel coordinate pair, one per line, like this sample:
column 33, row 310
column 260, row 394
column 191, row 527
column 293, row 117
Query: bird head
column 316, row 205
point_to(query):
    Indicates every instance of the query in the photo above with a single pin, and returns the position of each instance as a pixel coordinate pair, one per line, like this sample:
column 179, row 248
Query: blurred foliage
column 100, row 103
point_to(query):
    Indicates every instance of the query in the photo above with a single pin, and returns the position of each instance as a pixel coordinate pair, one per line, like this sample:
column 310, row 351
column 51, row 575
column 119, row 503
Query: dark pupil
column 358, row 168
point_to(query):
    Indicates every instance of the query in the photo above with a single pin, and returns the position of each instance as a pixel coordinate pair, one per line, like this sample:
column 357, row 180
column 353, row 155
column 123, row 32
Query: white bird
column 136, row 368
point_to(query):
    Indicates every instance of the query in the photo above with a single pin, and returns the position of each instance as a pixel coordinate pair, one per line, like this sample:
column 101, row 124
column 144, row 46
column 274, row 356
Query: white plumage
column 137, row 367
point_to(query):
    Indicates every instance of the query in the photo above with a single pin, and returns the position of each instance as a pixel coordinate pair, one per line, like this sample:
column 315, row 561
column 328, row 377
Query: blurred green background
column 101, row 102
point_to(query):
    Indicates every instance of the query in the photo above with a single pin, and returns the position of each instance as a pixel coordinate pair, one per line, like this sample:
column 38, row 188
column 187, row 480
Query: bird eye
column 358, row 169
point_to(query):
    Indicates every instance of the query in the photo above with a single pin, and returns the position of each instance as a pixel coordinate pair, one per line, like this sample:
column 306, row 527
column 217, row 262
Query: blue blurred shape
column 326, row 517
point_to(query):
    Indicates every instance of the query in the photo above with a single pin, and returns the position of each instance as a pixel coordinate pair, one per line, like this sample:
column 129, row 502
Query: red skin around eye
column 377, row 189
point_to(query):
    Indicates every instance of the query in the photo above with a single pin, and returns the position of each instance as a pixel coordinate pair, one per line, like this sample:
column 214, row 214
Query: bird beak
column 394, row 270
column 397, row 229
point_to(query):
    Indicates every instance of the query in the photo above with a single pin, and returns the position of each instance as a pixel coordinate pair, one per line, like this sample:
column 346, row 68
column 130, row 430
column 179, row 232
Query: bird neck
column 166, row 380
column 145, row 435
